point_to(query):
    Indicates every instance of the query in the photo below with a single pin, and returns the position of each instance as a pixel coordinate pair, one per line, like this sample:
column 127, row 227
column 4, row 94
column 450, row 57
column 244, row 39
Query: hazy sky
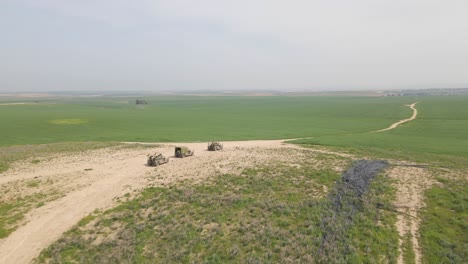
column 240, row 44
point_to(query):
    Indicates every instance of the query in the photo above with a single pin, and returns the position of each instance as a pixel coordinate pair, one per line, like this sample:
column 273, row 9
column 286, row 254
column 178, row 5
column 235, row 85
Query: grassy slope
column 266, row 215
column 444, row 236
column 196, row 118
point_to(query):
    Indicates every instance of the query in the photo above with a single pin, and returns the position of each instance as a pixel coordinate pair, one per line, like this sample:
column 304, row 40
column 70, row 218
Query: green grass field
column 439, row 134
column 444, row 224
column 441, row 127
column 170, row 118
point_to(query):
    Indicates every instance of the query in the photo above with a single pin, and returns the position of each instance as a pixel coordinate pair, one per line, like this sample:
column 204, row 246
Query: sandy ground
column 84, row 182
column 395, row 125
column 411, row 183
column 93, row 180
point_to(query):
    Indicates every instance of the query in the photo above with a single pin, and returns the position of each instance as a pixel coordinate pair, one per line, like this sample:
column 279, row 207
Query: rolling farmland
column 259, row 199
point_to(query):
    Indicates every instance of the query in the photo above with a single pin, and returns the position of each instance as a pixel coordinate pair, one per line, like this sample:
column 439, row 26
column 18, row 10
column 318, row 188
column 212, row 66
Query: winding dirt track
column 395, row 125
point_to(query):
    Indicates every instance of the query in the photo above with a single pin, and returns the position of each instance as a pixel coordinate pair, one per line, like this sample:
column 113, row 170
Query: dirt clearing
column 97, row 179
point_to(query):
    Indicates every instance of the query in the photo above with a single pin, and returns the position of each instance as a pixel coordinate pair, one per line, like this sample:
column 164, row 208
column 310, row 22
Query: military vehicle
column 156, row 159
column 181, row 152
column 214, row 146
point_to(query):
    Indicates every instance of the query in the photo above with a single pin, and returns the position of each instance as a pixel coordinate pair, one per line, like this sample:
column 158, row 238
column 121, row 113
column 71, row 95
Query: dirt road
column 410, row 184
column 395, row 125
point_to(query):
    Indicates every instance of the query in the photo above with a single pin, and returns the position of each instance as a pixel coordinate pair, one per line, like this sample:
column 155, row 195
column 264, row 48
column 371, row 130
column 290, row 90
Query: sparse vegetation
column 13, row 210
column 12, row 154
column 263, row 215
column 9, row 217
column 12, row 213
column 358, row 223
column 32, row 183
column 408, row 250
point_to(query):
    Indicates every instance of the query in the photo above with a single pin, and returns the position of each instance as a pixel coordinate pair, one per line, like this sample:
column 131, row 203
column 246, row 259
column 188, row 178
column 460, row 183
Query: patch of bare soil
column 395, row 125
column 411, row 182
column 97, row 179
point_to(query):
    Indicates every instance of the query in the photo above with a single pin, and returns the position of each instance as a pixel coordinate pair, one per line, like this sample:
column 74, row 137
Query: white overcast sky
column 65, row 45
